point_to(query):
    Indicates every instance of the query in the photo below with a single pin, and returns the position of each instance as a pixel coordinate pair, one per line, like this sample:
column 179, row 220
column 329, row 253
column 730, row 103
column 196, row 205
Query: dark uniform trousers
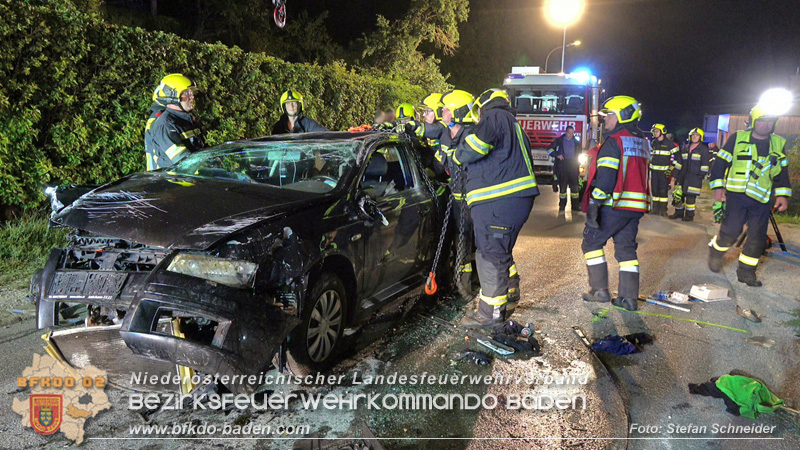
column 567, row 172
column 622, row 226
column 742, row 210
column 659, row 187
column 497, row 225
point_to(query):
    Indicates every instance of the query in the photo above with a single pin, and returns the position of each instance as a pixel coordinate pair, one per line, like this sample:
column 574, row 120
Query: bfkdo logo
column 61, row 397
column 46, row 412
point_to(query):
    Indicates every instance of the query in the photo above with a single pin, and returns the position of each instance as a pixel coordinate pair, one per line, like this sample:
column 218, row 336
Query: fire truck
column 547, row 104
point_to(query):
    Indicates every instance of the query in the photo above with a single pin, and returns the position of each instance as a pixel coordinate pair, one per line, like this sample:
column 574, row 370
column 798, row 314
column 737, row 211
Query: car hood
column 162, row 210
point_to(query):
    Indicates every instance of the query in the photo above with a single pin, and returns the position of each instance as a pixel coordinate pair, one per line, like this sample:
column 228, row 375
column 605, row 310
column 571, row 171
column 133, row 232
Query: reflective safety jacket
column 619, row 173
column 692, row 166
column 444, row 155
column 662, row 153
column 155, row 110
column 171, row 137
column 431, row 132
column 497, row 156
column 752, row 170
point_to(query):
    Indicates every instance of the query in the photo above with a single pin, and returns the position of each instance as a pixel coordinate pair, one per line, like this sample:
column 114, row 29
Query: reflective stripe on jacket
column 171, row 137
column 752, row 173
column 627, row 157
column 497, row 156
column 693, row 166
column 661, row 154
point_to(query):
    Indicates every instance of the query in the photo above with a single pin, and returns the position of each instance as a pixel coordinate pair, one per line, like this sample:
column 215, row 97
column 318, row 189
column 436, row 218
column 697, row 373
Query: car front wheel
column 315, row 341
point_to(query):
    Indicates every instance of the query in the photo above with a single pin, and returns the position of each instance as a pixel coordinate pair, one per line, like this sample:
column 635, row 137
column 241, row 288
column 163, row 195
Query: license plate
column 541, row 156
column 87, row 285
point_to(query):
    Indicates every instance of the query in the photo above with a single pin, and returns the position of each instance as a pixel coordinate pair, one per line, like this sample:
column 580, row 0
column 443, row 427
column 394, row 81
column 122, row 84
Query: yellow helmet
column 460, row 105
column 698, row 131
column 486, row 96
column 291, row 96
column 659, row 127
column 759, row 112
column 627, row 109
column 434, row 102
column 169, row 91
column 404, row 113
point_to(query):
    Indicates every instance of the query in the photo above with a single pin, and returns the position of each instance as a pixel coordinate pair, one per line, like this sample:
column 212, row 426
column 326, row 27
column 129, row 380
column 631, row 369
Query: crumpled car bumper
column 247, row 330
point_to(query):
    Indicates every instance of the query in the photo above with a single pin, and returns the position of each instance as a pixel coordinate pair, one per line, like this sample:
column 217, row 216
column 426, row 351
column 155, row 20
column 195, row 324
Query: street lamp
column 563, row 13
column 571, row 44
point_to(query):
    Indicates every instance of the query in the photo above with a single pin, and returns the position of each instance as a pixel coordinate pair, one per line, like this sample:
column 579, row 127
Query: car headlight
column 230, row 272
column 583, row 159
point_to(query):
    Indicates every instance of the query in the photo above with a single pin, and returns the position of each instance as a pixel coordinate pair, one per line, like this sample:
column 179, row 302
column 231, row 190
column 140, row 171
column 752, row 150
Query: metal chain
column 442, row 235
column 460, row 181
column 425, row 179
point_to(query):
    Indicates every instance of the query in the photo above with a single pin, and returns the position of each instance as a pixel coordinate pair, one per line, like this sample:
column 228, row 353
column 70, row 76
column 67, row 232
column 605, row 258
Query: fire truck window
column 556, row 100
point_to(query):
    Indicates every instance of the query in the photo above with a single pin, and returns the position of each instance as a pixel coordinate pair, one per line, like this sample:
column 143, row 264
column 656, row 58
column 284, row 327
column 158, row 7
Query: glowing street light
column 776, row 101
column 571, row 44
column 563, row 13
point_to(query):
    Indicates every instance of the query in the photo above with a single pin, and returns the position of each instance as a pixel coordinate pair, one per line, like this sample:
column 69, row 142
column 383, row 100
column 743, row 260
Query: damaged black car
column 213, row 265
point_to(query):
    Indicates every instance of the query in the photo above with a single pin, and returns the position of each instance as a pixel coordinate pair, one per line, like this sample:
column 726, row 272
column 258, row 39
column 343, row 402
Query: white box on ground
column 709, row 292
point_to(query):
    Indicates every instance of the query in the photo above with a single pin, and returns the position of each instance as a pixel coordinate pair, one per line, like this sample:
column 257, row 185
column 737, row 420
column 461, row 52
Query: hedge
column 74, row 92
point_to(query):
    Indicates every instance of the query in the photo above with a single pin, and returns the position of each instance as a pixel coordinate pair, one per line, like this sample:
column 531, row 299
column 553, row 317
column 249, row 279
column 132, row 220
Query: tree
column 394, row 48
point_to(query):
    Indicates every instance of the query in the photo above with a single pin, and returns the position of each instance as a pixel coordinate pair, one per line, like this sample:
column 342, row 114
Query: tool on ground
column 430, row 284
column 666, row 305
column 614, row 378
column 527, row 330
column 749, row 314
column 777, row 232
column 487, row 342
column 665, row 316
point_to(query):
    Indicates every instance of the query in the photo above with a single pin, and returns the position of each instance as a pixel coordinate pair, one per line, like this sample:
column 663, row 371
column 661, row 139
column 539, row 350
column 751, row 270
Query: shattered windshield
column 315, row 167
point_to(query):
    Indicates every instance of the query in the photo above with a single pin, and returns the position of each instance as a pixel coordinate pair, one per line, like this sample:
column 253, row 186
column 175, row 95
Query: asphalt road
column 652, row 384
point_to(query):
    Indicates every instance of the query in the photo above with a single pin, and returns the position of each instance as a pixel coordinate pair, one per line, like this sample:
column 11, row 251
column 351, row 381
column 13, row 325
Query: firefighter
column 692, row 165
column 156, row 109
column 404, row 113
column 617, row 197
column 663, row 151
column 456, row 114
column 172, row 133
column 293, row 120
column 565, row 150
column 431, row 128
column 500, row 189
column 750, row 171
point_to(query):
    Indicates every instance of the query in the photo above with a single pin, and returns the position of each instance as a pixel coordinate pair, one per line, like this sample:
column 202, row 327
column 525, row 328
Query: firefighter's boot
column 628, row 285
column 598, row 281
column 486, row 316
column 575, row 202
column 597, row 295
column 678, row 214
column 627, row 303
column 748, row 277
column 715, row 259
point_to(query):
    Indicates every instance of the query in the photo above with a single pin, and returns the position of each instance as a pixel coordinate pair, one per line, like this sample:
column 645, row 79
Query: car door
column 394, row 251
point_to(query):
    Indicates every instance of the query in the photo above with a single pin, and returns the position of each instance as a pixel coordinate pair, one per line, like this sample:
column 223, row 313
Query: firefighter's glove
column 593, row 214
column 719, row 211
column 677, row 196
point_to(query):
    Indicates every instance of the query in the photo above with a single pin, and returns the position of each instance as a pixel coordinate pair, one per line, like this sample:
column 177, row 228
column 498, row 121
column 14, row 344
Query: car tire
column 314, row 343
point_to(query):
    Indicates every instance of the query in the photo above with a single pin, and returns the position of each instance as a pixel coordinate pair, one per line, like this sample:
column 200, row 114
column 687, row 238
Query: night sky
column 681, row 59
